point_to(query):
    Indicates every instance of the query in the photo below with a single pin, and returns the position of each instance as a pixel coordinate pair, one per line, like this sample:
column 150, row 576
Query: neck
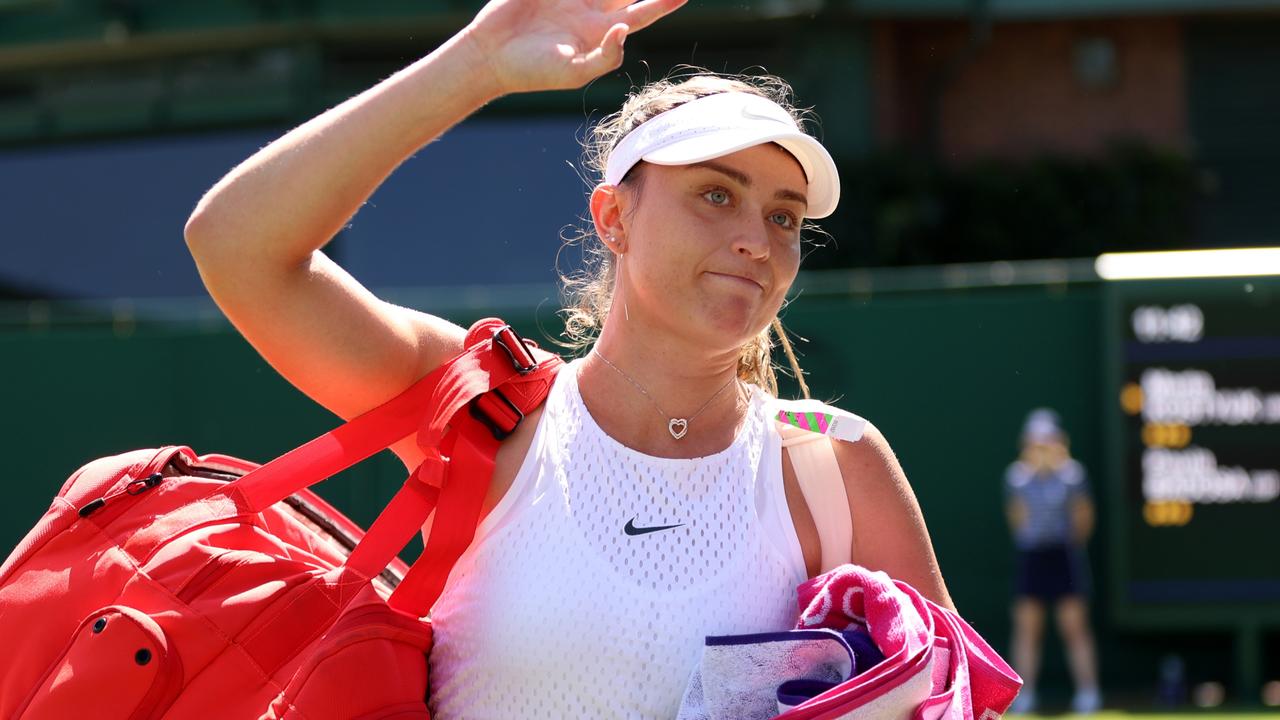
column 679, row 377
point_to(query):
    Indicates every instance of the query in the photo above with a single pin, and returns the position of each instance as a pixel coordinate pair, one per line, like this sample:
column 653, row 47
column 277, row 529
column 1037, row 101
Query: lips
column 744, row 280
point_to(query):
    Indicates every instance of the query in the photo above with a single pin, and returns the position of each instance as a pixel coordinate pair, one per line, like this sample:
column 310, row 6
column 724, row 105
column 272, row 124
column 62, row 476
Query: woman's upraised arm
column 256, row 235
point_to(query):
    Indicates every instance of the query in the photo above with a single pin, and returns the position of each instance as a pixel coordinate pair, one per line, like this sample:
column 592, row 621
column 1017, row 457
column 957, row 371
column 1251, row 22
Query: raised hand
column 558, row 44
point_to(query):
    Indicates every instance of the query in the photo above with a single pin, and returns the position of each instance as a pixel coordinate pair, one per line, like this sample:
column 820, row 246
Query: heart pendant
column 678, row 427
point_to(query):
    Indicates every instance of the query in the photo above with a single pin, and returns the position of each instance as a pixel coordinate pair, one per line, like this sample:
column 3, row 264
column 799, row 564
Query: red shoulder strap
column 461, row 412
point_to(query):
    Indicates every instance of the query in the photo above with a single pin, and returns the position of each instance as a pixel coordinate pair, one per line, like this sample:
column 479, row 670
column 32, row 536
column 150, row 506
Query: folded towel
column 966, row 679
column 793, row 693
column 866, row 647
column 752, row 677
column 851, row 597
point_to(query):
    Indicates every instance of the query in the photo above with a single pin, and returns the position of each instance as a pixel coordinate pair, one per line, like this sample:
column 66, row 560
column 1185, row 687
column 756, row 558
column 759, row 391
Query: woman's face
column 1045, row 455
column 712, row 248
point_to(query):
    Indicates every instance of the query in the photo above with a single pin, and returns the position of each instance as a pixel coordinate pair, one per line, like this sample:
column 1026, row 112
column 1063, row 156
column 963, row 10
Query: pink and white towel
column 936, row 666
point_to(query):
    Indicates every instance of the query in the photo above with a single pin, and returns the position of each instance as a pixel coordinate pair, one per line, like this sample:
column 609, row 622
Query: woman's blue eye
column 784, row 219
column 717, row 197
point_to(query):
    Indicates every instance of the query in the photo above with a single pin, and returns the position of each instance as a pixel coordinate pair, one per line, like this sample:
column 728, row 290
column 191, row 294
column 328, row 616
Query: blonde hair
column 588, row 293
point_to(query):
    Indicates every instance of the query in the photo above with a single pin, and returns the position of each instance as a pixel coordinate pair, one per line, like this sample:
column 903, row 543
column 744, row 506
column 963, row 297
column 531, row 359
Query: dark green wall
column 947, row 375
column 71, row 395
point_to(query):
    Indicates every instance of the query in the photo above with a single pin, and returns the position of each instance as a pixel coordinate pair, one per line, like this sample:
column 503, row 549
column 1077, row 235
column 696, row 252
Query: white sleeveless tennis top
column 590, row 588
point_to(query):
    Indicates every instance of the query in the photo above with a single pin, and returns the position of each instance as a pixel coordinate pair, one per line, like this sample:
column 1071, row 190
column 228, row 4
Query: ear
column 607, row 210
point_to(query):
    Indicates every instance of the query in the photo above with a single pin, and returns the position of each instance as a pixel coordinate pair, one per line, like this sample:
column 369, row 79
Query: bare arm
column 889, row 532
column 256, row 238
column 256, row 235
column 1082, row 519
column 1015, row 511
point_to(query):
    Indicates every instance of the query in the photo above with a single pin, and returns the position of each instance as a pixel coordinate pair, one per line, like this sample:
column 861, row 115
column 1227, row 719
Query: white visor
column 724, row 123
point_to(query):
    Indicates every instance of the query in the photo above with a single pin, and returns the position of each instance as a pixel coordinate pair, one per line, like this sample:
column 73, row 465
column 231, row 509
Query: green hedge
column 899, row 208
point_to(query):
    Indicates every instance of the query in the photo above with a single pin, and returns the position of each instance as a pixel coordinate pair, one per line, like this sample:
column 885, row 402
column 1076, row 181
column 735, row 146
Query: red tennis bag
column 163, row 584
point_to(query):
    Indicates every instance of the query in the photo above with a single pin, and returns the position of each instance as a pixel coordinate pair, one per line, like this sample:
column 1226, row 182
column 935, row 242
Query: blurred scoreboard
column 1195, row 420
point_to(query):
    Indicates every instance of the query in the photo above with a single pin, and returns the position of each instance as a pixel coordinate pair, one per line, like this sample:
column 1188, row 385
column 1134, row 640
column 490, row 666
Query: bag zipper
column 134, row 487
column 142, row 485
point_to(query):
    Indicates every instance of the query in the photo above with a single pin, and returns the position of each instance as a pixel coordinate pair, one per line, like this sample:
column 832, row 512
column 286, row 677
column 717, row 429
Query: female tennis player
column 649, row 503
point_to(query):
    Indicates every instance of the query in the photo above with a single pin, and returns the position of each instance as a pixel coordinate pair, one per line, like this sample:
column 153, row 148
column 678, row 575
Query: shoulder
column 869, row 465
column 889, row 531
column 1072, row 474
column 860, row 448
column 800, row 418
column 1017, row 475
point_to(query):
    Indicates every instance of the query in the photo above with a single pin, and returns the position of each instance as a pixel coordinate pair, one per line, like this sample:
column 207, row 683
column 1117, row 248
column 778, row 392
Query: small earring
column 626, row 311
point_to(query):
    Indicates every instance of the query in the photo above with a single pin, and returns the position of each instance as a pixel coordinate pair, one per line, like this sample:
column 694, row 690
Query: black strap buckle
column 496, row 412
column 521, row 357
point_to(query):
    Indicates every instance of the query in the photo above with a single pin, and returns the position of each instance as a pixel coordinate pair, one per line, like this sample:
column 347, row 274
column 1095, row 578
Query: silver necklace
column 676, row 426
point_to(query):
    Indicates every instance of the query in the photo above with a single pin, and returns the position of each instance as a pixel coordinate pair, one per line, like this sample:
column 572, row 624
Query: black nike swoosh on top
column 631, row 528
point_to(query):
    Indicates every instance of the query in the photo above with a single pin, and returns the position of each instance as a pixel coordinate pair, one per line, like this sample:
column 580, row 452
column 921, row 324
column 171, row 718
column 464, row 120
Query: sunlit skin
column 708, row 253
column 705, row 260
column 711, row 248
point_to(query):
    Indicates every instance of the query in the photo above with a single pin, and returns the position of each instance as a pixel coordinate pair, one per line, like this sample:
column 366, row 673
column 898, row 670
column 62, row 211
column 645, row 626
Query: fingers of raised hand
column 605, row 57
column 638, row 15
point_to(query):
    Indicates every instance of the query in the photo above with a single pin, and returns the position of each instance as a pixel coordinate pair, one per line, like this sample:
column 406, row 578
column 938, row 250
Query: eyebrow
column 745, row 180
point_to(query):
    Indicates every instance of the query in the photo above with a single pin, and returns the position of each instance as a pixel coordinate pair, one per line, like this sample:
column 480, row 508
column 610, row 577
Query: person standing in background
column 1051, row 515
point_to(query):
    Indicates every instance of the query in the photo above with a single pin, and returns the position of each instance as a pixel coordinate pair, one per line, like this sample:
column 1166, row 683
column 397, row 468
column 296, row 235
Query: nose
column 751, row 238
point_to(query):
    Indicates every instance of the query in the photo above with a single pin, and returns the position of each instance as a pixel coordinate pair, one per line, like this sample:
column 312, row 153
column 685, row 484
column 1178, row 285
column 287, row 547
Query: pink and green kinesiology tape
column 822, row 419
column 814, row 422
